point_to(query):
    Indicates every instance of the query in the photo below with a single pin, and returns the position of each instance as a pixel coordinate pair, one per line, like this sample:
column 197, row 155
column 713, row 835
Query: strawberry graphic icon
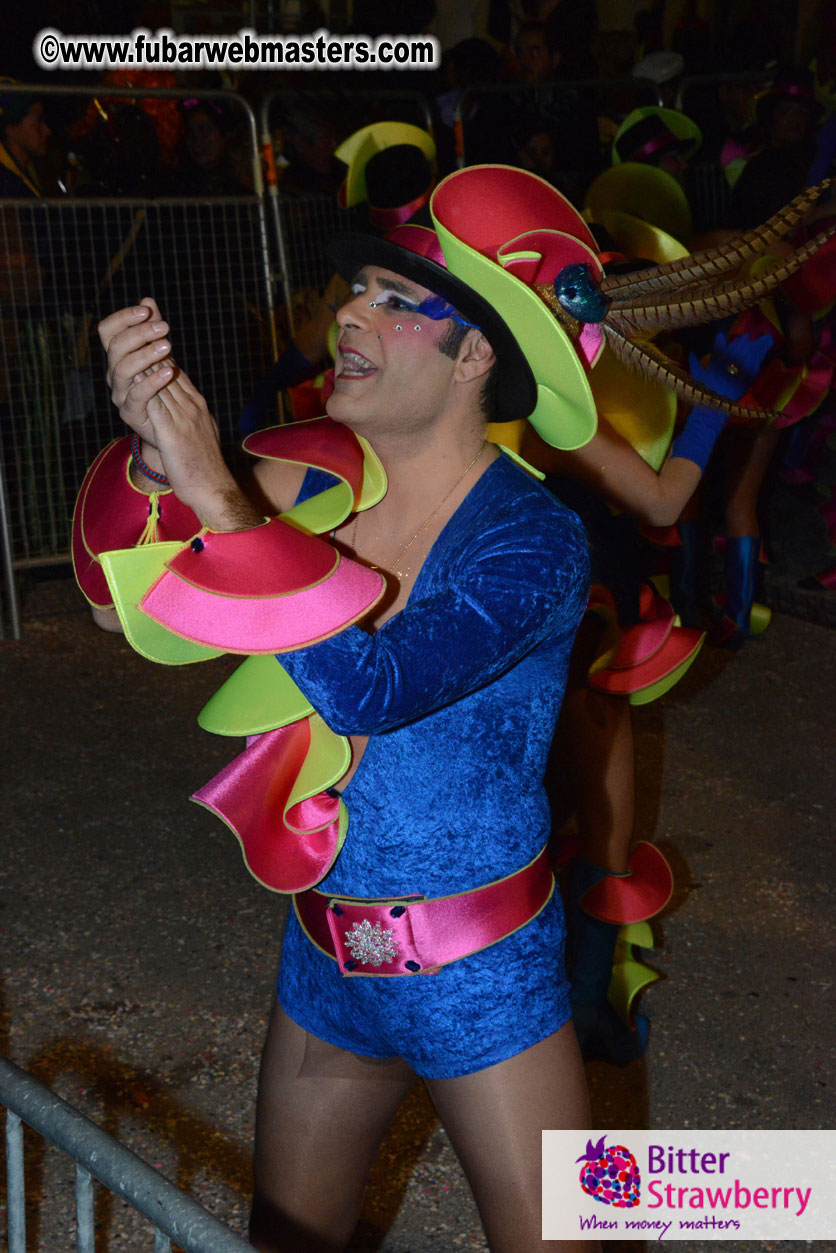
column 610, row 1175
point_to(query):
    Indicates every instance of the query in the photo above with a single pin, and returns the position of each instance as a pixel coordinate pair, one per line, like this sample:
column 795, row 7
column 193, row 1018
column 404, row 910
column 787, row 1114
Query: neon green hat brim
column 565, row 414
column 359, row 148
column 637, row 238
column 645, row 192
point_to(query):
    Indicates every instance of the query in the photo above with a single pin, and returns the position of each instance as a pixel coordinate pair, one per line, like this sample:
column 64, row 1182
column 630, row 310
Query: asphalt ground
column 138, row 955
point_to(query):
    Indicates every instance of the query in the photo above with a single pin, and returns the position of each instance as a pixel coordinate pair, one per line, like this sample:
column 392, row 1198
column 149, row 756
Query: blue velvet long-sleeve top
column 459, row 693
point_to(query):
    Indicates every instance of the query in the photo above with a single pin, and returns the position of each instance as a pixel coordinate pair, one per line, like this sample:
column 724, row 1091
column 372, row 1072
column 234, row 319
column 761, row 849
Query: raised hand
column 139, row 363
column 156, row 399
column 732, row 367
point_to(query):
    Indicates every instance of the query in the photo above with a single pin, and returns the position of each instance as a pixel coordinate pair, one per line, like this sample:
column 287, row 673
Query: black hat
column 398, row 182
column 791, row 83
column 649, row 133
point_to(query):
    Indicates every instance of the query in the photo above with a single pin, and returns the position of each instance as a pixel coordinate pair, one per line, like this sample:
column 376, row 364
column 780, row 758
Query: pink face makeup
column 387, row 305
column 396, row 304
column 434, row 307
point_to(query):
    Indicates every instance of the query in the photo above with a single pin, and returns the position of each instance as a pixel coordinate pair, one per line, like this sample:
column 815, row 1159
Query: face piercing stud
column 417, row 326
column 398, row 328
column 372, row 304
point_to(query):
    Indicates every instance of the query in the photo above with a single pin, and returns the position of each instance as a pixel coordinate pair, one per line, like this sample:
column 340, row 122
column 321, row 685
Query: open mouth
column 354, row 365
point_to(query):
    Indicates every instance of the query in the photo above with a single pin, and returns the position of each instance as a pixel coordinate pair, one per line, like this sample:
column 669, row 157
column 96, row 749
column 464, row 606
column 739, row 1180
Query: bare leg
column 494, row 1119
column 599, row 743
column 320, row 1118
column 595, row 751
column 749, row 456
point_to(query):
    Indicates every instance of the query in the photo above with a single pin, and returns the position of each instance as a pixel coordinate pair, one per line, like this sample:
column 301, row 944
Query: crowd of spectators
column 543, row 84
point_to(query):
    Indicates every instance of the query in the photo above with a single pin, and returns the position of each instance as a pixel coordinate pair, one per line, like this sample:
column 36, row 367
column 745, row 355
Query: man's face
column 674, row 163
column 389, row 371
column 204, row 139
column 31, row 133
column 790, row 124
column 536, row 62
column 537, row 154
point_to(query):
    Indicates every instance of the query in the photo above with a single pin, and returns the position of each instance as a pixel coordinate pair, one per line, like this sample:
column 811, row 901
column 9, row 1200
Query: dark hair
column 451, row 340
column 14, row 107
column 487, row 396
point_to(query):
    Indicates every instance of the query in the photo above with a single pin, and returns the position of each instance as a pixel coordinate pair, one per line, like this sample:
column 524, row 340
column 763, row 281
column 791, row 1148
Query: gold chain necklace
column 393, row 569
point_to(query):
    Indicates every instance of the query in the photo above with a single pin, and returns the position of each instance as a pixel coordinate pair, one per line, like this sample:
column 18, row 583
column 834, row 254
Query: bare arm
column 610, row 466
column 107, row 619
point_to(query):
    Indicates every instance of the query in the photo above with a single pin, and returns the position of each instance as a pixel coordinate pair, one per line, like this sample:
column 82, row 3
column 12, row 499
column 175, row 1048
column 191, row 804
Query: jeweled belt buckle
column 374, row 937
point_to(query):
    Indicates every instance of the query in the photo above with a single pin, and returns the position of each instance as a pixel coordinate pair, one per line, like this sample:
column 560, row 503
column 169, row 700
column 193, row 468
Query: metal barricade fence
column 65, row 264
column 303, row 224
column 172, row 1213
column 81, row 260
column 710, row 195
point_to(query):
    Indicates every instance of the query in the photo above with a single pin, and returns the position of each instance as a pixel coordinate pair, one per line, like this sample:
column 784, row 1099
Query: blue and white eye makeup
column 387, row 298
column 436, row 308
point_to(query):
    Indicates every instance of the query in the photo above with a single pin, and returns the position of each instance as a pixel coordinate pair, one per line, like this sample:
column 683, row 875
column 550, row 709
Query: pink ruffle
column 111, row 513
column 265, row 623
column 648, row 651
column 321, row 442
column 286, row 848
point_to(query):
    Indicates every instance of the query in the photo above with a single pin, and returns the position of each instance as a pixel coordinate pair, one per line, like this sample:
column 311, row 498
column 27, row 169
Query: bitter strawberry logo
column 610, row 1175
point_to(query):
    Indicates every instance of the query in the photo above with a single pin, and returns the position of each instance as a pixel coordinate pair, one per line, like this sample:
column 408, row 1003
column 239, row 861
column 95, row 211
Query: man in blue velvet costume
column 448, row 692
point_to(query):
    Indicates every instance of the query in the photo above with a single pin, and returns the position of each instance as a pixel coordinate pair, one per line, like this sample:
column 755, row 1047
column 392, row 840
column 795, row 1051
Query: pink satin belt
column 412, row 935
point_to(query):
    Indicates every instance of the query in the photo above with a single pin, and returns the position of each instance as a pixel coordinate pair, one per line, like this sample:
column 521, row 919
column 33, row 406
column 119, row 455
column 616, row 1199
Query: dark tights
column 322, row 1114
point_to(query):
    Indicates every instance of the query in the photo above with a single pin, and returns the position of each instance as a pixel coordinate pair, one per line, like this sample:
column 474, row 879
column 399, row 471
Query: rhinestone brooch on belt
column 371, row 945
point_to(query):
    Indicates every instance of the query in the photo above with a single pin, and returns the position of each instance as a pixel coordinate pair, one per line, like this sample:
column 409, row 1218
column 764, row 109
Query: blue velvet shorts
column 474, row 1013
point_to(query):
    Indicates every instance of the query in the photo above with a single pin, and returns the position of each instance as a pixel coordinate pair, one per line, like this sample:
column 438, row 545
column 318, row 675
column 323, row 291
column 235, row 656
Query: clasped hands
column 158, row 401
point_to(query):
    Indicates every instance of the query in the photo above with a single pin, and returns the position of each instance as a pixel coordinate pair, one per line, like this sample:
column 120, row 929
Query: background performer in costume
column 613, row 488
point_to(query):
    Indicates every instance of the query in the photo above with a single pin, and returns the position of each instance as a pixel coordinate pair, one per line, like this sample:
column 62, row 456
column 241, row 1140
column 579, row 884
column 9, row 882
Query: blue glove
column 730, row 371
column 732, row 367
